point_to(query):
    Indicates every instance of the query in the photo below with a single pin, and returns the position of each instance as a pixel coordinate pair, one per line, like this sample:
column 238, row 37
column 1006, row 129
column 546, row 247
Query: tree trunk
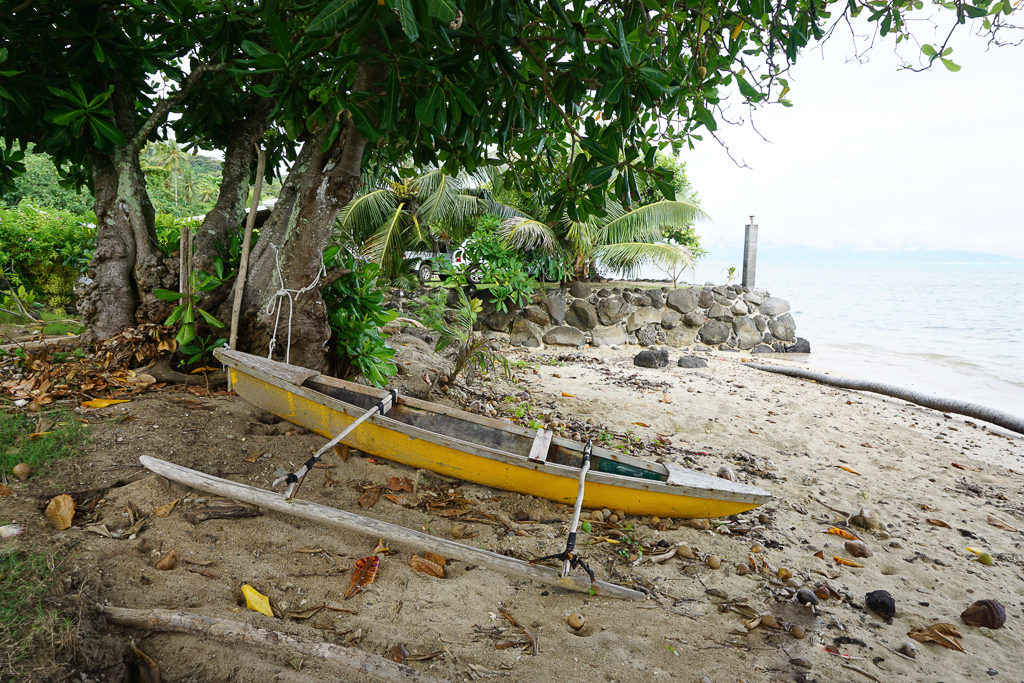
column 127, row 264
column 288, row 253
column 224, row 219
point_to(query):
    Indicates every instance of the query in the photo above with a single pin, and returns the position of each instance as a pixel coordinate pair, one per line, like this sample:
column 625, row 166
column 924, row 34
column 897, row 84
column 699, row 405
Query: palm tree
column 621, row 240
column 388, row 218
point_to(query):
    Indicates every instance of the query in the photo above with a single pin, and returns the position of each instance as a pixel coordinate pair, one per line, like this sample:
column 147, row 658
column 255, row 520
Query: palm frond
column 386, row 246
column 644, row 223
column 526, row 233
column 362, row 216
column 627, row 257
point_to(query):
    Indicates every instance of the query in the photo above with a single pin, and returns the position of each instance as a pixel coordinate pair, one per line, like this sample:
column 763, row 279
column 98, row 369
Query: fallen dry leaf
column 421, row 564
column 103, row 402
column 941, row 633
column 368, row 498
column 996, row 522
column 641, row 424
column 60, row 511
column 167, row 562
column 257, row 601
column 568, row 395
column 5, row 490
column 165, row 510
column 966, row 467
column 400, row 484
column 849, row 469
column 363, row 574
column 938, row 522
column 845, row 562
column 836, row 531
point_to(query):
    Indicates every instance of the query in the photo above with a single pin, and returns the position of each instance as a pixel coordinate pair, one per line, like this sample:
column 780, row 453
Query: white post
column 750, row 254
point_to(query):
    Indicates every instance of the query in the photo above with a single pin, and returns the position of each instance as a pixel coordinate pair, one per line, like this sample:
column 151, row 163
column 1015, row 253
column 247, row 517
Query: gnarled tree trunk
column 288, row 253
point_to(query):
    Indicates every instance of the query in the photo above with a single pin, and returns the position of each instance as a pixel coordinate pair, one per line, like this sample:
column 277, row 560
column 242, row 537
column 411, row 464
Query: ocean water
column 948, row 329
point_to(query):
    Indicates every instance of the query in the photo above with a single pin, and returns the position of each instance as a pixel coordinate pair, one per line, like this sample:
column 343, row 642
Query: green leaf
column 186, row 334
column 174, row 316
column 209, row 318
column 928, row 51
column 443, row 10
column 334, row 15
column 167, row 295
column 463, row 99
column 102, row 128
column 427, row 108
column 950, row 64
column 407, row 17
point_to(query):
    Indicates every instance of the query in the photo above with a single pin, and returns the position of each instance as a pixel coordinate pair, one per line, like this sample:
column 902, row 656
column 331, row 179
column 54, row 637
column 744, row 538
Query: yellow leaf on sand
column 568, row 395
column 103, row 402
column 257, row 601
column 60, row 511
column 165, row 510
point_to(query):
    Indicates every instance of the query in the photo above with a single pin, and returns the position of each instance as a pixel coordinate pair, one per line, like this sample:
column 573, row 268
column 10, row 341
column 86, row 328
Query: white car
column 426, row 264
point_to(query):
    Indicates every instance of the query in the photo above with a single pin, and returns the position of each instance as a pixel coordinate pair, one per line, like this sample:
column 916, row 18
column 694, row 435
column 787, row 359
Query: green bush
column 44, row 250
column 355, row 311
column 505, row 275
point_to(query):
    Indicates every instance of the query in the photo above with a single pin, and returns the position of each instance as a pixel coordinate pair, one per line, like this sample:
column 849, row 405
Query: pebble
column 576, row 621
column 22, row 471
column 612, row 518
column 858, row 549
column 597, row 516
column 805, row 596
column 742, row 569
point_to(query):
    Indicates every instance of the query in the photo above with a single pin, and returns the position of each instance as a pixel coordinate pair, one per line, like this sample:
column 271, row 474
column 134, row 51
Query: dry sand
column 791, row 437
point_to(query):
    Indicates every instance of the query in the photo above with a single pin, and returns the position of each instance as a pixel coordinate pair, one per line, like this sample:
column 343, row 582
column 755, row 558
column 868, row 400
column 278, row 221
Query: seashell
column 805, row 596
column 797, row 631
column 794, row 582
column 881, row 603
column 784, row 574
column 865, row 519
column 655, row 521
column 713, row 561
column 985, row 613
column 822, row 592
column 613, row 518
column 858, row 549
column 908, row 649
column 167, row 562
column 22, row 471
column 620, row 512
column 576, row 621
column 686, row 551
column 597, row 516
column 60, row 511
column 725, row 472
column 742, row 569
column 770, row 621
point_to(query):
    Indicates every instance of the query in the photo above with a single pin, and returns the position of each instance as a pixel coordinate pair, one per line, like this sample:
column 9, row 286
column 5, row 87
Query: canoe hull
column 528, row 478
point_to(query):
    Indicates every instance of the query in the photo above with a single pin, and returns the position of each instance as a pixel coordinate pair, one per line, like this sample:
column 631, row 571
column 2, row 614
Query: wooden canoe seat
column 541, row 445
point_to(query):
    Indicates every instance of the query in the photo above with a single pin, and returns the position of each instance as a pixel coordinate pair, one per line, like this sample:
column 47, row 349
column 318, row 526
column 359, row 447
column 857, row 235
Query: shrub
column 45, row 250
column 355, row 312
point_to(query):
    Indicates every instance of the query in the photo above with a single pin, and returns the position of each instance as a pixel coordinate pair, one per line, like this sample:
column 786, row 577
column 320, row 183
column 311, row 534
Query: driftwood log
column 945, row 405
column 398, row 535
column 365, row 664
column 29, row 346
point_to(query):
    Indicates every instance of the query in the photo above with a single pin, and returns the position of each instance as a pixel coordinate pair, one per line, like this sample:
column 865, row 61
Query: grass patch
column 61, row 436
column 27, row 623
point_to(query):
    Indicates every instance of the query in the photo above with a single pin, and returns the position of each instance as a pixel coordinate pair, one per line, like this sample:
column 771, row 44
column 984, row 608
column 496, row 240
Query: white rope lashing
column 291, row 294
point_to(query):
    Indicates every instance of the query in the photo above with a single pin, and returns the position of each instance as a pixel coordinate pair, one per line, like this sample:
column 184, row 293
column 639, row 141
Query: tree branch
column 161, row 110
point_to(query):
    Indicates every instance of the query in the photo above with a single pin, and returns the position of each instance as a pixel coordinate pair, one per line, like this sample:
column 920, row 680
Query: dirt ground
column 824, row 453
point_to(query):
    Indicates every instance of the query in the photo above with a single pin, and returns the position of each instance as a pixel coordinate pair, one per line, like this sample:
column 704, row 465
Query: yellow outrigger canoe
column 482, row 449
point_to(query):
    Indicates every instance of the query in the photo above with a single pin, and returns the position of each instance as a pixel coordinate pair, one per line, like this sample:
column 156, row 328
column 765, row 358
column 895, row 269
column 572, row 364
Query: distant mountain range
column 799, row 254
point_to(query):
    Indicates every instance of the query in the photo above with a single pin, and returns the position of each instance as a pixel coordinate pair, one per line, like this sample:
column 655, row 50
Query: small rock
column 742, row 569
column 881, row 603
column 713, row 562
column 167, row 562
column 576, row 621
column 691, row 362
column 597, row 516
column 858, row 549
column 805, row 596
column 22, row 471
column 797, row 631
column 770, row 621
column 649, row 358
column 865, row 519
column 908, row 649
column 725, row 472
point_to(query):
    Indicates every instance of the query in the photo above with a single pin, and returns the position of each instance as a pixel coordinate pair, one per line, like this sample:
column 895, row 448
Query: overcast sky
column 872, row 157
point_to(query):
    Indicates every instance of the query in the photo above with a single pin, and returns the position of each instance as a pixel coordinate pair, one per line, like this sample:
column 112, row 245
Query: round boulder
column 525, row 333
column 579, row 289
column 773, row 306
column 564, row 335
column 555, row 303
column 611, row 310
column 647, row 335
column 670, row 318
column 582, row 314
column 783, row 327
column 705, row 298
column 651, row 358
column 682, row 300
column 714, row 332
column 747, row 335
column 691, row 362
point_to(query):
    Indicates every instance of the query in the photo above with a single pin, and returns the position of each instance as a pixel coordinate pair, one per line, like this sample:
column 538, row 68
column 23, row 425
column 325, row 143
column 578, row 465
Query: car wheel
column 424, row 272
column 475, row 275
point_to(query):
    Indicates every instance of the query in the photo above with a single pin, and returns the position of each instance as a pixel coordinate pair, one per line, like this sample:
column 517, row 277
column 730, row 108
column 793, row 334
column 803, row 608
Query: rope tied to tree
column 276, row 301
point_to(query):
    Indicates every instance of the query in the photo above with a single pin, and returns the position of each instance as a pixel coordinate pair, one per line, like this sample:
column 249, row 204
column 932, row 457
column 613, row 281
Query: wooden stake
column 243, row 264
column 399, row 535
column 365, row 664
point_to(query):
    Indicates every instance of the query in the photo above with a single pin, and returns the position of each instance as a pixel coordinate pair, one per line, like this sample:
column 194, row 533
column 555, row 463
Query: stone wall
column 719, row 317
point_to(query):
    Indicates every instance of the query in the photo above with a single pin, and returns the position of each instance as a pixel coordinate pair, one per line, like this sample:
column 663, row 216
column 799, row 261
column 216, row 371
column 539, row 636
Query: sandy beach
column 935, row 484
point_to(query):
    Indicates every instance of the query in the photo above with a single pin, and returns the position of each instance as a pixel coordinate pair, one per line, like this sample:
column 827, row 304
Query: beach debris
column 432, row 564
column 985, row 613
column 805, row 596
column 713, row 561
column 942, row 634
column 865, row 519
column 784, row 574
column 849, row 469
column 742, row 569
column 10, row 531
column 981, row 556
column 22, row 471
column 908, row 649
column 576, row 621
column 165, row 510
column 725, row 472
column 797, row 631
column 221, row 508
column 5, row 490
column 60, row 511
column 400, row 484
column 881, row 603
column 836, row 531
column 363, row 574
column 996, row 522
column 858, row 549
column 667, row 555
column 684, row 550
column 256, row 601
column 167, row 562
column 826, row 592
column 845, row 562
column 938, row 522
column 103, row 402
column 530, row 636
